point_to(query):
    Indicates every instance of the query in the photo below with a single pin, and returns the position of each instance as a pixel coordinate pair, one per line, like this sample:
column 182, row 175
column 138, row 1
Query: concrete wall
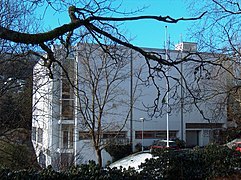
column 46, row 114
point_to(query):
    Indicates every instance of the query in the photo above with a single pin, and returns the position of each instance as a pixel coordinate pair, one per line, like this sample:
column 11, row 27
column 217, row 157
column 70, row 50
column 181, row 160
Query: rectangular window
column 84, row 135
column 67, row 109
column 68, row 136
column 69, row 69
column 40, row 135
column 67, row 159
column 155, row 134
column 65, row 139
column 67, row 89
column 146, row 135
column 149, row 135
column 114, row 134
column 34, row 133
column 71, row 138
column 67, row 82
column 161, row 135
column 115, row 137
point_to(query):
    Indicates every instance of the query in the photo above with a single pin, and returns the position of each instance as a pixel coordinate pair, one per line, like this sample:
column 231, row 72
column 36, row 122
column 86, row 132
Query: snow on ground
column 133, row 160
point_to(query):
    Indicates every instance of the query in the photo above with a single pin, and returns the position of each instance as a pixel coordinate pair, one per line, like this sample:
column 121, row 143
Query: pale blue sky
column 147, row 33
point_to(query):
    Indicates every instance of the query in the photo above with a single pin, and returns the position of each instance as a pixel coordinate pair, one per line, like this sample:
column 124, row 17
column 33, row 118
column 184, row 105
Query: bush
column 180, row 143
column 138, row 147
column 118, row 151
column 199, row 163
column 89, row 171
column 15, row 156
column 210, row 162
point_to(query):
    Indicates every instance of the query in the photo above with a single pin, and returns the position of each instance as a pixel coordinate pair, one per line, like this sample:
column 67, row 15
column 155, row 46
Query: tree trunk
column 99, row 156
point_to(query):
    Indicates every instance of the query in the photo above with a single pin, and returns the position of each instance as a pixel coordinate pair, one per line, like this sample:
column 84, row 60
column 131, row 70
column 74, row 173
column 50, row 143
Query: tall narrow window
column 68, row 136
column 67, row 89
column 65, row 139
column 67, row 97
column 71, row 138
column 67, row 160
column 34, row 133
column 67, row 109
column 40, row 135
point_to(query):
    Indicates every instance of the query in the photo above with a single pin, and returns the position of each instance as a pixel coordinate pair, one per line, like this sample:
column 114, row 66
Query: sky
column 151, row 33
column 146, row 33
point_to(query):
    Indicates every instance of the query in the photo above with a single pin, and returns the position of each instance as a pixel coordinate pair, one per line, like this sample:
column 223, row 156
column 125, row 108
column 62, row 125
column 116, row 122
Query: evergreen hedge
column 199, row 163
column 89, row 171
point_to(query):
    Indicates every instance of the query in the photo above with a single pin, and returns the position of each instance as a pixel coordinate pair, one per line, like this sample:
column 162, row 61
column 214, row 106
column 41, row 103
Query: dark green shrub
column 15, row 156
column 230, row 134
column 118, row 151
column 89, row 171
column 138, row 147
column 199, row 163
column 180, row 143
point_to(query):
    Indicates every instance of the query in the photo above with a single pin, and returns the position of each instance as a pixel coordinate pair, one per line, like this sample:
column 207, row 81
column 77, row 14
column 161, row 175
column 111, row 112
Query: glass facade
column 67, row 84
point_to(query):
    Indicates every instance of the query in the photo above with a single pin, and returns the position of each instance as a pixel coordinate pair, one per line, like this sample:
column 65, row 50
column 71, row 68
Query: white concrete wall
column 47, row 110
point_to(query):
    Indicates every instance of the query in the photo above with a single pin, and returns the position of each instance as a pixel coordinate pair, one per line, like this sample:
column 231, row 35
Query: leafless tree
column 86, row 18
column 100, row 21
column 15, row 107
column 15, row 64
column 219, row 32
column 103, row 102
column 15, row 79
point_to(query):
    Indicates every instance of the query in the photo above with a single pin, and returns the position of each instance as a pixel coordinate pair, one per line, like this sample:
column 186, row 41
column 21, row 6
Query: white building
column 61, row 134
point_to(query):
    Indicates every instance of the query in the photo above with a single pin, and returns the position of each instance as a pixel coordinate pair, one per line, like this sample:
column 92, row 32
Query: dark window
column 42, row 159
column 68, row 77
column 40, row 135
column 68, row 65
column 84, row 135
column 67, row 90
column 68, row 109
column 68, row 136
column 65, row 139
column 67, row 159
column 155, row 134
column 114, row 134
column 34, row 133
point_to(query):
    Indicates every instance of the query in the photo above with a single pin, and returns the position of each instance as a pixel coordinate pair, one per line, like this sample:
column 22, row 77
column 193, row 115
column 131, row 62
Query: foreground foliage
column 118, row 151
column 84, row 171
column 198, row 163
column 211, row 162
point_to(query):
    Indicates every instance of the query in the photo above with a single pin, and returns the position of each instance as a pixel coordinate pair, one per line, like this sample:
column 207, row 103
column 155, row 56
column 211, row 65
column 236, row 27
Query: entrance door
column 192, row 138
